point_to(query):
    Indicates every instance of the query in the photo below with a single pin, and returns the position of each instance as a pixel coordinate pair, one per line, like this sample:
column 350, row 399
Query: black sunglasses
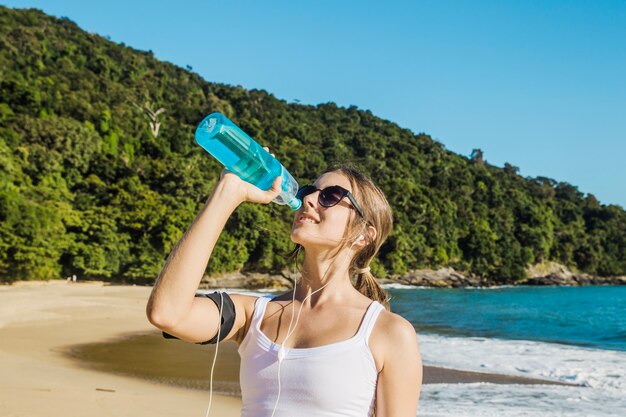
column 329, row 196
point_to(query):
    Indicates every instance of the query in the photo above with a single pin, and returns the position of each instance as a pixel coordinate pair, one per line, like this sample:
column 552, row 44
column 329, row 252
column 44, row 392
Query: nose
column 310, row 200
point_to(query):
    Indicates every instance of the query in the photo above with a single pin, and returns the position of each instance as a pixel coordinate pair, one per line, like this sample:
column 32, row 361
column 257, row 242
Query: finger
column 276, row 185
column 273, row 192
column 265, row 197
column 268, row 150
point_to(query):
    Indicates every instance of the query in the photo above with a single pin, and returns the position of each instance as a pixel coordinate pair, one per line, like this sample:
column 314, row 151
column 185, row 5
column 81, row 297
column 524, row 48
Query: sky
column 538, row 84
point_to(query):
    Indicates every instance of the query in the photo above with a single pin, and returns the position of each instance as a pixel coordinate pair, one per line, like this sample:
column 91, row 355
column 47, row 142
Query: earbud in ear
column 360, row 238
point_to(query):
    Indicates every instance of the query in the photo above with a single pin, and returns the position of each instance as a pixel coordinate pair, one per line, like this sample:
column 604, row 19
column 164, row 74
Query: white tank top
column 333, row 380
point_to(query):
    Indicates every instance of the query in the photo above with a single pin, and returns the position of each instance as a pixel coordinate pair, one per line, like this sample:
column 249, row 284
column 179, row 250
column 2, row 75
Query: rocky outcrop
column 249, row 280
column 441, row 278
column 552, row 273
column 575, row 280
column 547, row 273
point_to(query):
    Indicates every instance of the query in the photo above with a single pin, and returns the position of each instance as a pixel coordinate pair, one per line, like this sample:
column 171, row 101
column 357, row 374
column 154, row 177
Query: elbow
column 157, row 317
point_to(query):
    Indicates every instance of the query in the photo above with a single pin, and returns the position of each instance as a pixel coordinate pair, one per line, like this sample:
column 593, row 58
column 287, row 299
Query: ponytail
column 367, row 285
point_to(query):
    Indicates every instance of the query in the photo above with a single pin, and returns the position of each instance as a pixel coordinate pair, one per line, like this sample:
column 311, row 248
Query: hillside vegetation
column 86, row 188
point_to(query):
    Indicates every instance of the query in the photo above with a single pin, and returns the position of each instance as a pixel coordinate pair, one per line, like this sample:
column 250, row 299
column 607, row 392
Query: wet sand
column 87, row 349
column 187, row 365
column 39, row 322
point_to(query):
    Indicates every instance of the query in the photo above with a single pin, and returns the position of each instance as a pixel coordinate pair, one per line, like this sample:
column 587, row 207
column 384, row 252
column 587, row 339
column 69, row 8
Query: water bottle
column 240, row 154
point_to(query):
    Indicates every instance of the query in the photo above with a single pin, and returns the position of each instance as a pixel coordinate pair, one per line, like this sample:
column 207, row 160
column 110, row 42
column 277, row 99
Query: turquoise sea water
column 593, row 316
column 575, row 335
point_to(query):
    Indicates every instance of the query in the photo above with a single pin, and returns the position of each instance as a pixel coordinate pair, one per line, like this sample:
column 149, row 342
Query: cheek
column 335, row 224
column 331, row 229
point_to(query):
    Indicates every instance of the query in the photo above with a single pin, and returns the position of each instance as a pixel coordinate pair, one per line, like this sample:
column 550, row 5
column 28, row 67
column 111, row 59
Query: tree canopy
column 96, row 181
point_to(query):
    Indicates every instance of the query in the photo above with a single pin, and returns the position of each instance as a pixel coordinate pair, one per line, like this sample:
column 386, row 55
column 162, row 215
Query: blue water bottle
column 240, row 154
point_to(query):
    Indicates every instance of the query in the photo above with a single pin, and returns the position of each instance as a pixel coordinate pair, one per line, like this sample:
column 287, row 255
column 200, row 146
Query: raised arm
column 172, row 306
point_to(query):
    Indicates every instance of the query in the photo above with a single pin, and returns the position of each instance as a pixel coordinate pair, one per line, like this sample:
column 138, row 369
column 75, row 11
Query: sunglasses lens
column 331, row 196
column 328, row 197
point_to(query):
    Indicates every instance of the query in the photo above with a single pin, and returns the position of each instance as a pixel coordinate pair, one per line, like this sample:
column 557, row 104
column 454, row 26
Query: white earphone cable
column 281, row 352
column 217, row 345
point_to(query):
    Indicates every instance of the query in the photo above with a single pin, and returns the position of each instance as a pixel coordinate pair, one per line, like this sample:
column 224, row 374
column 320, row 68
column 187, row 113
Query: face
column 315, row 225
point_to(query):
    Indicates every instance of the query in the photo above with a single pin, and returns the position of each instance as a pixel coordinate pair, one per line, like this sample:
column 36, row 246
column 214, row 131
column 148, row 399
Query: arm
column 400, row 379
column 172, row 306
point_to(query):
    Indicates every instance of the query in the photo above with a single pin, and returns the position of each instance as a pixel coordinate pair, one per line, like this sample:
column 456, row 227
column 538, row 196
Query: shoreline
column 40, row 322
column 544, row 274
column 144, row 349
column 443, row 278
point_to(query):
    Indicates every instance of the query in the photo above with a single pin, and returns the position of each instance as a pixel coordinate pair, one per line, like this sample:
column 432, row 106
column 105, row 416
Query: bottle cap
column 295, row 203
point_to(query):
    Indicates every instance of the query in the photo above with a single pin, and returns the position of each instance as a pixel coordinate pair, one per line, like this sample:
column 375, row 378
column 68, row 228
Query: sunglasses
column 329, row 196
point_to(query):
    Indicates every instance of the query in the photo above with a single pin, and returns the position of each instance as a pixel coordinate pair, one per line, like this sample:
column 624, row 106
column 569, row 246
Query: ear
column 369, row 236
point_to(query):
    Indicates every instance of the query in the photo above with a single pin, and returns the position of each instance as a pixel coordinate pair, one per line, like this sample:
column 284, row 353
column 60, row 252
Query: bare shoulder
column 244, row 309
column 394, row 328
column 244, row 301
column 392, row 336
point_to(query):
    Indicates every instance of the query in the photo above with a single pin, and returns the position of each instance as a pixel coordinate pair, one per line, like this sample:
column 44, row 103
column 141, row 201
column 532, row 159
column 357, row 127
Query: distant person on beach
column 331, row 347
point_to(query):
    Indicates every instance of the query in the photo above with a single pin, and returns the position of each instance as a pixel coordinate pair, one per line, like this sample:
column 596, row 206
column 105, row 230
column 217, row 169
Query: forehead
column 333, row 178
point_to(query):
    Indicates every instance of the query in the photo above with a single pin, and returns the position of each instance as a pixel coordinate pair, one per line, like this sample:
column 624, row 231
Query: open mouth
column 306, row 218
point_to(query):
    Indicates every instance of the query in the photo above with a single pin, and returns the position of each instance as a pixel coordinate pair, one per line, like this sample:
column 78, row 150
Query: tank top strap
column 259, row 311
column 369, row 320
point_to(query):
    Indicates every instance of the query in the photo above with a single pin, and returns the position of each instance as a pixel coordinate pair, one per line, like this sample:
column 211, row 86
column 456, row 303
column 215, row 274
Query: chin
column 302, row 237
column 297, row 237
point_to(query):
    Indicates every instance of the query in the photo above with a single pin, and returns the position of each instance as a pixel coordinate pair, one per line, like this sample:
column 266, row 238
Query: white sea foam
column 594, row 368
column 600, row 374
column 491, row 400
column 397, row 286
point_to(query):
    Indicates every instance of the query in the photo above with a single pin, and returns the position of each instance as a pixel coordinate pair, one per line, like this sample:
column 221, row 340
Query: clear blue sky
column 538, row 84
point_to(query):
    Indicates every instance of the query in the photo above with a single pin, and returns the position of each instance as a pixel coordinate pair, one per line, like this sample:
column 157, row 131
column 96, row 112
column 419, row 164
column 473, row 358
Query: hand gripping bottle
column 240, row 154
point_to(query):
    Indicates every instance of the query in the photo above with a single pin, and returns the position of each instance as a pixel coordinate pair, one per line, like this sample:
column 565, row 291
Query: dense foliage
column 87, row 189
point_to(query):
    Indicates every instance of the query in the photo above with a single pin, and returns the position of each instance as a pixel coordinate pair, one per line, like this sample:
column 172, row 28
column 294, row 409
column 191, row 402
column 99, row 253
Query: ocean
column 569, row 334
column 573, row 335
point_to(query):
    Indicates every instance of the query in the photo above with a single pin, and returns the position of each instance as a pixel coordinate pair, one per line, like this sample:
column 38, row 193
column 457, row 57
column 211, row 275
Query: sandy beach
column 40, row 321
column 67, row 349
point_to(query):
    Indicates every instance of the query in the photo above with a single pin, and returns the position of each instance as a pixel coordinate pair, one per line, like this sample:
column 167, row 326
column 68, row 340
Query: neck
column 328, row 269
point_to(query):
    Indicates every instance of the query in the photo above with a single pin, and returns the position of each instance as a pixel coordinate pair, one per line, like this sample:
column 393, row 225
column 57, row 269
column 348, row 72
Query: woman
column 326, row 348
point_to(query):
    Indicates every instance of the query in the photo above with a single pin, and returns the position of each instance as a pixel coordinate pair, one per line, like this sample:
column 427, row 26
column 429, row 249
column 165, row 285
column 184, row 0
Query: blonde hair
column 378, row 215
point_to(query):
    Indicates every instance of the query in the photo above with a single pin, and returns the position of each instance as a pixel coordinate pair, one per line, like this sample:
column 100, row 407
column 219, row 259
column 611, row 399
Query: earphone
column 360, row 238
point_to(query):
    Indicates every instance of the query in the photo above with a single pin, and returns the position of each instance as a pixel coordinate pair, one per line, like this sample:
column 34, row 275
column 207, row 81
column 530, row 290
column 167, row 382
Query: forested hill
column 89, row 187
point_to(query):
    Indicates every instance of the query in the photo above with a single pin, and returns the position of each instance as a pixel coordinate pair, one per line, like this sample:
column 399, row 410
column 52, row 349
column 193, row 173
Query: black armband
column 227, row 313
